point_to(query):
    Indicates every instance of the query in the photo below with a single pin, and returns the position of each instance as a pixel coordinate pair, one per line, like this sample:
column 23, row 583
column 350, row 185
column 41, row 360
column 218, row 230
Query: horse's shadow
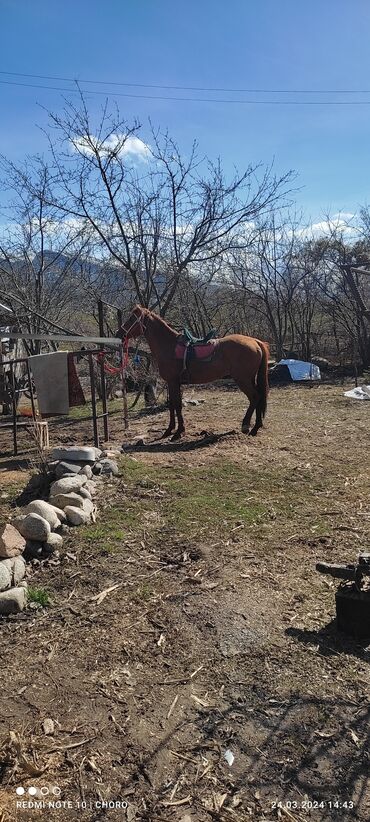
column 206, row 438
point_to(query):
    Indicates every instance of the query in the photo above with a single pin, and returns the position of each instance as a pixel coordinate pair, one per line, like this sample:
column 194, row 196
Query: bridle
column 142, row 325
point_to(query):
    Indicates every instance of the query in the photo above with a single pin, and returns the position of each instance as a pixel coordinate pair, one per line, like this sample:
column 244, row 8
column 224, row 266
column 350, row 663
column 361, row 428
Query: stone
column 5, row 576
column 97, row 468
column 76, row 516
column 33, row 526
column 88, row 506
column 109, row 467
column 73, row 453
column 67, row 485
column 87, row 471
column 46, row 511
column 84, row 493
column 111, row 453
column 67, row 469
column 59, row 512
column 92, row 488
column 11, row 542
column 19, row 570
column 53, row 542
column 16, row 567
column 13, row 601
column 62, row 500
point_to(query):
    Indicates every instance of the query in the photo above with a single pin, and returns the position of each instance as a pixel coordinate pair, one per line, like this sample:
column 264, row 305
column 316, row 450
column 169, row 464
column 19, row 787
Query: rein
column 111, row 369
column 142, row 325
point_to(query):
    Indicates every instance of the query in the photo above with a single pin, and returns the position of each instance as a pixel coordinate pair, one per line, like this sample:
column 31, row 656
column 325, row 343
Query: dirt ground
column 219, row 640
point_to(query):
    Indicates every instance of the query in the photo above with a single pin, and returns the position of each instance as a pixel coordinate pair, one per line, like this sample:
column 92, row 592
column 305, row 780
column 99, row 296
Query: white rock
column 88, row 506
column 76, row 516
column 45, row 511
column 59, row 512
column 53, row 542
column 62, row 500
column 32, row 526
column 5, row 576
column 82, row 454
column 87, row 471
column 112, row 454
column 83, row 492
column 92, row 487
column 67, row 485
column 13, row 601
column 11, row 542
column 16, row 567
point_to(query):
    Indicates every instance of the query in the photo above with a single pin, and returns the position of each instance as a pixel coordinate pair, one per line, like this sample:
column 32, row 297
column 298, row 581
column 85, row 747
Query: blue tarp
column 300, row 370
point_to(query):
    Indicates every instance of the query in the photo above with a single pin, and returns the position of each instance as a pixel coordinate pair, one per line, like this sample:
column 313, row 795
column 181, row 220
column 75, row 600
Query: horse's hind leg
column 172, row 422
column 258, row 424
column 251, row 392
column 177, row 402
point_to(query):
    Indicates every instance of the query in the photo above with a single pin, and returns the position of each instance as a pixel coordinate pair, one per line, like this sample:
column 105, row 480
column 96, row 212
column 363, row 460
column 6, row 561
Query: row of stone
column 38, row 531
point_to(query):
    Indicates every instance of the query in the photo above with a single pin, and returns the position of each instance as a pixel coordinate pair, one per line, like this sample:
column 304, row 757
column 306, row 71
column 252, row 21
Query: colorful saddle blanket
column 195, row 351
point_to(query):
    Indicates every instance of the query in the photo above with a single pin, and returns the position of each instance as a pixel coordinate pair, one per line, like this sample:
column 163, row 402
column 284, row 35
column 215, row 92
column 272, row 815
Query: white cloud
column 125, row 146
column 342, row 223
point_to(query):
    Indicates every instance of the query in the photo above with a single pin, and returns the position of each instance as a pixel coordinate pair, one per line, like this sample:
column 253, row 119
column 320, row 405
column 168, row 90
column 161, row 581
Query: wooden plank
column 64, row 338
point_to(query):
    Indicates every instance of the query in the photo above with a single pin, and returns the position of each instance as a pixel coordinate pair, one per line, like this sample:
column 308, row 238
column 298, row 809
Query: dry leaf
column 48, row 726
column 355, row 738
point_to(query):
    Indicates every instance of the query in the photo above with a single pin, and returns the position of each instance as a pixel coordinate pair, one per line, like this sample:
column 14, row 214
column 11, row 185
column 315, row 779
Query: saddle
column 189, row 348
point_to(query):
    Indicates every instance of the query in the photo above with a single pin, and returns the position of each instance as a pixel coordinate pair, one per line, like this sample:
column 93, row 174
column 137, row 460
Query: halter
column 142, row 325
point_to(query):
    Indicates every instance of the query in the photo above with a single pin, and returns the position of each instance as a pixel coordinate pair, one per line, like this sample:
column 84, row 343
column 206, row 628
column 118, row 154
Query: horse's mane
column 154, row 316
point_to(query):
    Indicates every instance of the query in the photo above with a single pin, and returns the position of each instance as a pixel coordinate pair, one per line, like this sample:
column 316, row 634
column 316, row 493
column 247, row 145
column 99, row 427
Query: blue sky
column 255, row 44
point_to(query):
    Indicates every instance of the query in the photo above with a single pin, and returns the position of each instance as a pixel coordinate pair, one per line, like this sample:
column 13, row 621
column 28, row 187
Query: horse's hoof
column 176, row 436
column 245, row 429
column 253, row 432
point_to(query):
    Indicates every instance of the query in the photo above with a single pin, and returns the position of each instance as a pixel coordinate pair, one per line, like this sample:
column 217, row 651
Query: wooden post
column 123, row 375
column 14, row 409
column 102, row 373
column 93, row 401
column 31, row 391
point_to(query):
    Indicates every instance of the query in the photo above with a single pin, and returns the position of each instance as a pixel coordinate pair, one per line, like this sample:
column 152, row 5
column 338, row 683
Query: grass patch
column 82, row 411
column 207, row 500
column 40, row 596
column 194, row 496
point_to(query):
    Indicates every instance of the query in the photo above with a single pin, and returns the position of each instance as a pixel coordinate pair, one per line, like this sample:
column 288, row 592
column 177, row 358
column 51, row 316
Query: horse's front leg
column 177, row 402
column 172, row 423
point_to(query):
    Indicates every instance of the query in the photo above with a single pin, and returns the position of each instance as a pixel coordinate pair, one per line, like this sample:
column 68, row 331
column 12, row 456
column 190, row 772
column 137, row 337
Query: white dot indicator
column 32, row 791
column 19, row 791
column 57, row 791
column 44, row 790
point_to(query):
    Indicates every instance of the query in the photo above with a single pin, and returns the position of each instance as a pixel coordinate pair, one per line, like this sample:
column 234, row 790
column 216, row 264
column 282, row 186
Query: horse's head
column 135, row 324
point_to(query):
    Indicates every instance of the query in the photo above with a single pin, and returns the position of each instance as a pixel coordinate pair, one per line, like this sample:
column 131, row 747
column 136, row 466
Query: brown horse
column 245, row 359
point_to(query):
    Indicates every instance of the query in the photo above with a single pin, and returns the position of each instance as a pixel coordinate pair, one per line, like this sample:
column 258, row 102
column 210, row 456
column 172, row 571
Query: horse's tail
column 262, row 379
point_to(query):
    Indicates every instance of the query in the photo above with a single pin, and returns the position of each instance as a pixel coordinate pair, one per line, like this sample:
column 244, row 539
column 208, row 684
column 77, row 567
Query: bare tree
column 269, row 274
column 39, row 258
column 150, row 211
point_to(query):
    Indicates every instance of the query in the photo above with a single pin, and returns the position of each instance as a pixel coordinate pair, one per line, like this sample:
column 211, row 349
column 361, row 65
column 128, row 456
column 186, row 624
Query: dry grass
column 214, row 631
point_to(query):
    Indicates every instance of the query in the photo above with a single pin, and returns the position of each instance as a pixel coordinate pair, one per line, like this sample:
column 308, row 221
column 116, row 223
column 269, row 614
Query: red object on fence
column 111, row 369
